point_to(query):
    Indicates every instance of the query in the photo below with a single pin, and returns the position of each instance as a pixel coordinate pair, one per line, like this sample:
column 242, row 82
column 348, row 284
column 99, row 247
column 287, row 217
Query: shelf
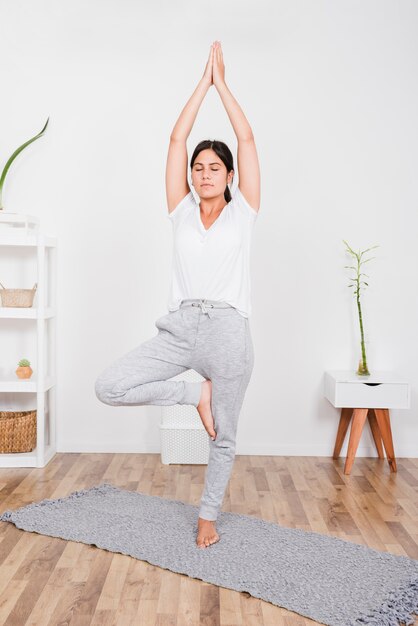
column 30, row 312
column 11, row 218
column 26, row 459
column 26, row 385
column 29, row 239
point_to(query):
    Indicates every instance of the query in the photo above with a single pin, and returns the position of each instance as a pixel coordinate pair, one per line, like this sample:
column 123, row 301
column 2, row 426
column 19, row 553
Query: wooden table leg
column 383, row 420
column 359, row 417
column 374, row 427
column 344, row 422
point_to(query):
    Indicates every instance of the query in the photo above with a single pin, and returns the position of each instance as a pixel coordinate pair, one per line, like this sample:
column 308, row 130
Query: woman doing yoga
column 207, row 325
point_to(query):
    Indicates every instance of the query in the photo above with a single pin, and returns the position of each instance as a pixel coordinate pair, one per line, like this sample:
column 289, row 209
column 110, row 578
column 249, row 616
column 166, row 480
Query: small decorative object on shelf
column 17, row 297
column 12, row 158
column 24, row 370
column 363, row 369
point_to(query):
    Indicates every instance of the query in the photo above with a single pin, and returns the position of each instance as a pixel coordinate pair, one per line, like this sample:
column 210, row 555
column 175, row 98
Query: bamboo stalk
column 363, row 369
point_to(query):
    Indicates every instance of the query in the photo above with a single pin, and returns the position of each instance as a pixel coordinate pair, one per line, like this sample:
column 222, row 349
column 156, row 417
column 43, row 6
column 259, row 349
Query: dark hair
column 223, row 152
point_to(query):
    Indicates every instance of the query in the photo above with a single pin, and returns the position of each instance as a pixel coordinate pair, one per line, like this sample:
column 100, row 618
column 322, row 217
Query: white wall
column 330, row 90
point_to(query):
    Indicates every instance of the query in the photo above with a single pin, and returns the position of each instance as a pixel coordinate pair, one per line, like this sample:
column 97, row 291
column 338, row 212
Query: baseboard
column 269, row 449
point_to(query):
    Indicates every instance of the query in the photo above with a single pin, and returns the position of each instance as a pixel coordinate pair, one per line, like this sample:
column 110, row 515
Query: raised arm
column 247, row 161
column 176, row 169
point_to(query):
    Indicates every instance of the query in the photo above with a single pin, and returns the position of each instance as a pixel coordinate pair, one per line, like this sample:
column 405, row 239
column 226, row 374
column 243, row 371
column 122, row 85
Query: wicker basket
column 17, row 297
column 17, row 431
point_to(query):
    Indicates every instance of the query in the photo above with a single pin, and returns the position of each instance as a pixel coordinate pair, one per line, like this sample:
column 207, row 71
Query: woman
column 207, row 326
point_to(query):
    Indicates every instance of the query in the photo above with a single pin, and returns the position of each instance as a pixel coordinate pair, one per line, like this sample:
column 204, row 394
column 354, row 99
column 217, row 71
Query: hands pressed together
column 214, row 73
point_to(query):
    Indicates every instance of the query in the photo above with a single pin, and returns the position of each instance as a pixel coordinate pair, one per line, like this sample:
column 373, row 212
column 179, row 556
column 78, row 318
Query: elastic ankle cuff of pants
column 192, row 393
column 208, row 512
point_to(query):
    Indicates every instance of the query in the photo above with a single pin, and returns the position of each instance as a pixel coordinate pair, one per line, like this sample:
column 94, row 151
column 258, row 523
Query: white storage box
column 183, row 437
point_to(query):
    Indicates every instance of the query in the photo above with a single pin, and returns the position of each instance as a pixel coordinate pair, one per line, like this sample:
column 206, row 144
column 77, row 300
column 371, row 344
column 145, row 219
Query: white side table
column 366, row 396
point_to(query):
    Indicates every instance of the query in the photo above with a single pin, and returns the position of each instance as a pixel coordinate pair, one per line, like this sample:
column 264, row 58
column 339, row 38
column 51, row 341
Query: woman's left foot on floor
column 206, row 533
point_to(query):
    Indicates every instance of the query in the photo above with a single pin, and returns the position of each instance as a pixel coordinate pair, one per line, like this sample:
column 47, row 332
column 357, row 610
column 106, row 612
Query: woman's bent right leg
column 140, row 376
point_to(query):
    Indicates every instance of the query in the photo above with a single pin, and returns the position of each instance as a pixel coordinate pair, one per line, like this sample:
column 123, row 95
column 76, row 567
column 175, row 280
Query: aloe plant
column 362, row 368
column 12, row 158
column 24, row 363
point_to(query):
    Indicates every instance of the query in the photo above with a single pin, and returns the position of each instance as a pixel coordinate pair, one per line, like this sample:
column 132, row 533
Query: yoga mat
column 327, row 579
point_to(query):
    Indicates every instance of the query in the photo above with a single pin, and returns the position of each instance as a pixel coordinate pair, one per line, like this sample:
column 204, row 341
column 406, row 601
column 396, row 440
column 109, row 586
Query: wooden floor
column 49, row 581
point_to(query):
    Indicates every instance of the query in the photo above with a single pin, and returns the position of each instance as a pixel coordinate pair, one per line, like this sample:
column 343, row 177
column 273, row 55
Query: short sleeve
column 187, row 203
column 243, row 205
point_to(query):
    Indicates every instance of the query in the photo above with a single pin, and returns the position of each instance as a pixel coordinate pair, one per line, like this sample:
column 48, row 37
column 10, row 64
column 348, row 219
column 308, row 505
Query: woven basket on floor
column 17, row 431
column 17, row 297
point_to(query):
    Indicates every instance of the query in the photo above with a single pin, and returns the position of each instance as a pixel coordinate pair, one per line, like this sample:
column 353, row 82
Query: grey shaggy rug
column 330, row 580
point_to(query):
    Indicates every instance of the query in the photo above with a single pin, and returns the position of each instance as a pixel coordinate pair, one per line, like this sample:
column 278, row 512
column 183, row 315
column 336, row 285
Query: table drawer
column 363, row 394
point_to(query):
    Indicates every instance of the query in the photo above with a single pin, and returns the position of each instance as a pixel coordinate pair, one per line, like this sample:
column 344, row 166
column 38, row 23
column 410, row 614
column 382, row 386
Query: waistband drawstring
column 203, row 306
column 204, row 303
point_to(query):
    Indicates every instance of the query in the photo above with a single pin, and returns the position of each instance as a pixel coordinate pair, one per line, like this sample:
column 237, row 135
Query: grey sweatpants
column 216, row 343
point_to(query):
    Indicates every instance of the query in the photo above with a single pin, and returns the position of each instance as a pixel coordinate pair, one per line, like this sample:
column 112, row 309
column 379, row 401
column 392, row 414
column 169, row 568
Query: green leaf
column 18, row 151
column 367, row 260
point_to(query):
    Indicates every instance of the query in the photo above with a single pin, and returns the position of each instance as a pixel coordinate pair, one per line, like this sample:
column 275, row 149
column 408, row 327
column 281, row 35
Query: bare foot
column 205, row 410
column 206, row 533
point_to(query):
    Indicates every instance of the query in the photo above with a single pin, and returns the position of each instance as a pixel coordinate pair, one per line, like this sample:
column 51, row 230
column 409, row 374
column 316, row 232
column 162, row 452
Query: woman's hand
column 218, row 65
column 207, row 74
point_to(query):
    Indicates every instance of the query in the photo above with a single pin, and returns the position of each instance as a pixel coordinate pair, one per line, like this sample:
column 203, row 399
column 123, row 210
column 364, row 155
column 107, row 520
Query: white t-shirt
column 212, row 264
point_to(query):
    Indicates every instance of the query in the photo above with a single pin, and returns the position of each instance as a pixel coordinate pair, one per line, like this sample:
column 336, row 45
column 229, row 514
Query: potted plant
column 362, row 369
column 24, row 370
column 12, row 158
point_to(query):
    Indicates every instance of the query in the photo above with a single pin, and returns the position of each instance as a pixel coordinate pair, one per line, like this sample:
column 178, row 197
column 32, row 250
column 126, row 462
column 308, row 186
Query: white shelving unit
column 41, row 382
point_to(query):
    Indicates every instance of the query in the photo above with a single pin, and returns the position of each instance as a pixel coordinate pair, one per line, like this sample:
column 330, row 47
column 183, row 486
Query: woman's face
column 209, row 175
